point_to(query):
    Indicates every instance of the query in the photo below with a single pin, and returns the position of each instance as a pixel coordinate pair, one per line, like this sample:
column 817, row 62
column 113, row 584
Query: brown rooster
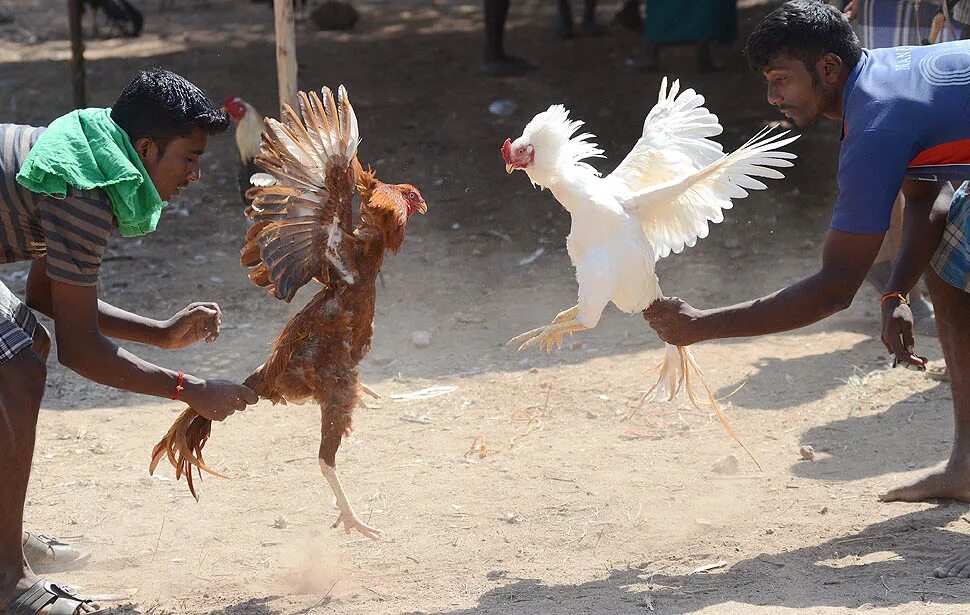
column 303, row 228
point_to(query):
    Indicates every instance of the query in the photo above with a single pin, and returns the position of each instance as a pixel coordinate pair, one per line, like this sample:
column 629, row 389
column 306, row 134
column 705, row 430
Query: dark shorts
column 17, row 325
column 952, row 257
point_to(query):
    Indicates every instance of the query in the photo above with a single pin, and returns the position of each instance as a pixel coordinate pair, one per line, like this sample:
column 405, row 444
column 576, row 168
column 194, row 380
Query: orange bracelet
column 895, row 294
column 178, row 386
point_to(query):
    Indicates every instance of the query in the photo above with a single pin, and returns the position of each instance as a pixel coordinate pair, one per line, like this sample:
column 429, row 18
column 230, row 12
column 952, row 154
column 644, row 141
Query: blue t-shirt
column 906, row 113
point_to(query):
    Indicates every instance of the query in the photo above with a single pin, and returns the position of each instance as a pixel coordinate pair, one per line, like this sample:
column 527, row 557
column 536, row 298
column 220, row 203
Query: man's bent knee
column 22, row 379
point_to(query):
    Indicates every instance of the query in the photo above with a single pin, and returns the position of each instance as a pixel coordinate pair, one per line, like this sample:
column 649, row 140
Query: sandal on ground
column 43, row 594
column 47, row 554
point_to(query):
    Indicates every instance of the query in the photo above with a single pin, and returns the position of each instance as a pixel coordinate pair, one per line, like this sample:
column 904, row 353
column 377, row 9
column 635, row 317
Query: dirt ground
column 572, row 509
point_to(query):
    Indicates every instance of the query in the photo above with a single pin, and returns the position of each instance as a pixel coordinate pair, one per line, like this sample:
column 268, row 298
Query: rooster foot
column 548, row 337
column 351, row 522
column 528, row 336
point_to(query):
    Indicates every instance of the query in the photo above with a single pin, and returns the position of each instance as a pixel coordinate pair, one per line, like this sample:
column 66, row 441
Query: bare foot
column 957, row 565
column 948, row 483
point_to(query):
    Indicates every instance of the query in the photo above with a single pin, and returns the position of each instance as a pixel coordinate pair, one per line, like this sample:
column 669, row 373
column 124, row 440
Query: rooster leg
column 347, row 514
column 547, row 337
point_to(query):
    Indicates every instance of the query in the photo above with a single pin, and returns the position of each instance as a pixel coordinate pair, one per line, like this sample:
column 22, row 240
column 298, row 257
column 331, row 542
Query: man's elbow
column 837, row 304
column 76, row 357
column 838, row 298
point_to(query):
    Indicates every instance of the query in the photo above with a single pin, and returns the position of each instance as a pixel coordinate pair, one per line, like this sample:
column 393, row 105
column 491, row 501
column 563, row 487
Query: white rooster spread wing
column 676, row 213
column 675, row 136
column 304, row 222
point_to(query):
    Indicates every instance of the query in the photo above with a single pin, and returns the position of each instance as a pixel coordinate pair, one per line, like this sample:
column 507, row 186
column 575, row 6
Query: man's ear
column 829, row 67
column 146, row 148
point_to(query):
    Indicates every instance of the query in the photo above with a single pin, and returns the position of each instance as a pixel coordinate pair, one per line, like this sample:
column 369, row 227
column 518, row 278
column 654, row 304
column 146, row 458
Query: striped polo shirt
column 73, row 232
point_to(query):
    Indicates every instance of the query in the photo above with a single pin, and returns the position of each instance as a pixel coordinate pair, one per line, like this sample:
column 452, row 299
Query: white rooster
column 661, row 198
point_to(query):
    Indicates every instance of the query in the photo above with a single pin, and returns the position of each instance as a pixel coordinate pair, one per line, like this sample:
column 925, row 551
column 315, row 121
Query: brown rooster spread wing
column 303, row 228
column 303, row 225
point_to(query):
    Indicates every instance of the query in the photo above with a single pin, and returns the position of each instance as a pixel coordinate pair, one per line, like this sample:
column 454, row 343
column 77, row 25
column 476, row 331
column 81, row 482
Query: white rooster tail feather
column 553, row 135
column 670, row 376
column 675, row 373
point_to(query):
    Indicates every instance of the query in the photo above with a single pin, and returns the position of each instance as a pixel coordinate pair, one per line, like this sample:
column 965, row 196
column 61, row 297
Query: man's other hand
column 897, row 334
column 199, row 321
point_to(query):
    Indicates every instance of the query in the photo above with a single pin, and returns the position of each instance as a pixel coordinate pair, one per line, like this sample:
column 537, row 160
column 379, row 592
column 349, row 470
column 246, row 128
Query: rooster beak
column 507, row 156
column 422, row 208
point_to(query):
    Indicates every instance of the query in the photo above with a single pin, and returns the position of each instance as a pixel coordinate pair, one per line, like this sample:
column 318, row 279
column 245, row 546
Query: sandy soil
column 572, row 509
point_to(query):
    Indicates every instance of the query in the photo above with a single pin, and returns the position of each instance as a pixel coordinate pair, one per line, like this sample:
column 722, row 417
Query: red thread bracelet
column 178, row 386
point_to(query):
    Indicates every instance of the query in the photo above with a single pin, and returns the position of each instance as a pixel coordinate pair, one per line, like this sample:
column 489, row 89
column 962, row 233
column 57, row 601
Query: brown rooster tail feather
column 182, row 445
column 257, row 381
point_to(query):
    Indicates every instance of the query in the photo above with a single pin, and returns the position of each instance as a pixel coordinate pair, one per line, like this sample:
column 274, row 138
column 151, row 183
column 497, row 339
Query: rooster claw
column 547, row 338
column 524, row 337
column 351, row 522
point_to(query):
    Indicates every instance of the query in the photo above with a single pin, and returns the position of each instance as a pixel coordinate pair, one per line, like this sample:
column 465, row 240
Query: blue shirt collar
column 850, row 85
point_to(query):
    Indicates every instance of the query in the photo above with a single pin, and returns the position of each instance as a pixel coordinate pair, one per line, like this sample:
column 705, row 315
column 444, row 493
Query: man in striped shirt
column 167, row 121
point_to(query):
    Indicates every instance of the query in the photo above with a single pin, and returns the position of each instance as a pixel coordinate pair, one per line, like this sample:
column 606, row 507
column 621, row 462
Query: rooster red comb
column 507, row 151
column 234, row 106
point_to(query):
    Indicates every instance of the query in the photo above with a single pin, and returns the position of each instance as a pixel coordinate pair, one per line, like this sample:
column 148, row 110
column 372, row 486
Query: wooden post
column 286, row 53
column 77, row 53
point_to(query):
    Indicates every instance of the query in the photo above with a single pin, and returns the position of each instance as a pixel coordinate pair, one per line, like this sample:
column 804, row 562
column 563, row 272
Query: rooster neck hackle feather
column 559, row 151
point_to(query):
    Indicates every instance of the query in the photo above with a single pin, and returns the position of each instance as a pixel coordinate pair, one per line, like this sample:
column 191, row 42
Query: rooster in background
column 249, row 131
column 304, row 228
column 660, row 199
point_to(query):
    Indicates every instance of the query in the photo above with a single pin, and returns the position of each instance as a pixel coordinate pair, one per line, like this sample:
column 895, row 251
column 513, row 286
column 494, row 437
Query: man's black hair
column 161, row 105
column 806, row 30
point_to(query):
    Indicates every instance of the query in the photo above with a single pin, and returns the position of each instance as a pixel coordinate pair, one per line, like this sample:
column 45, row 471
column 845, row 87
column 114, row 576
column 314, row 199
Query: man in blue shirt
column 905, row 113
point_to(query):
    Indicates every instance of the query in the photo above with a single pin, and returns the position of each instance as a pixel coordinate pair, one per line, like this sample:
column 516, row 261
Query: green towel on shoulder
column 87, row 149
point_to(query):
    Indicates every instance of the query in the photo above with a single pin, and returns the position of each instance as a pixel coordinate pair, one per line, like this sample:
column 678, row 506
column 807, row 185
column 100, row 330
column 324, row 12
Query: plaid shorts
column 952, row 257
column 17, row 325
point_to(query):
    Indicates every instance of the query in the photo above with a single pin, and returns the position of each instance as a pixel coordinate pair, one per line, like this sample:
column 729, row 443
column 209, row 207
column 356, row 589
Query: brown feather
column 316, row 354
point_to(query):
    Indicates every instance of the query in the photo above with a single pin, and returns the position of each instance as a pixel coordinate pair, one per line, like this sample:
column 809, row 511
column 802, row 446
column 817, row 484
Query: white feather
column 663, row 196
